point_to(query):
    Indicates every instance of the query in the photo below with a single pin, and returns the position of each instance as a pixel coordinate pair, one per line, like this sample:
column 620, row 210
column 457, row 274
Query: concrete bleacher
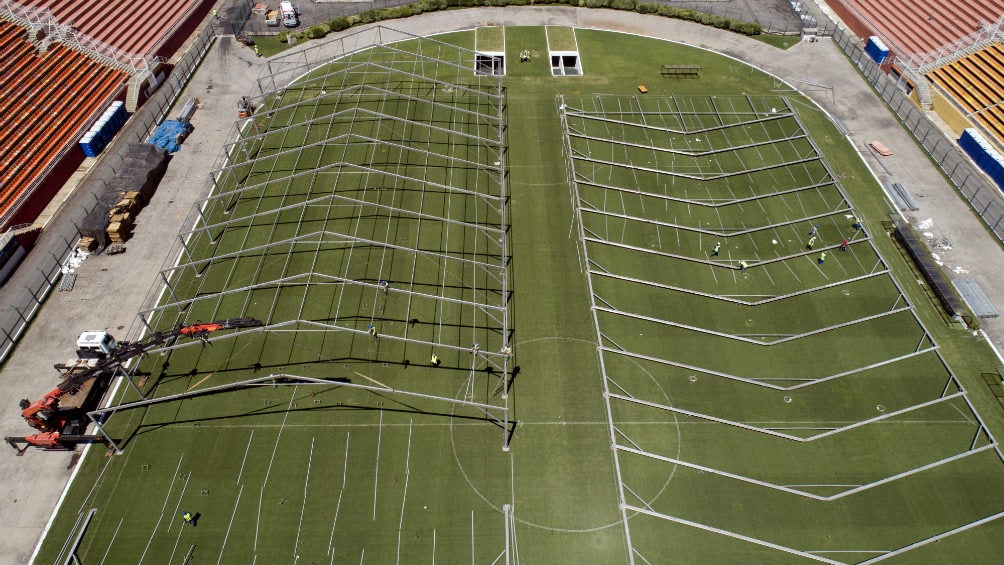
column 921, row 26
column 134, row 26
column 976, row 82
column 945, row 41
column 47, row 100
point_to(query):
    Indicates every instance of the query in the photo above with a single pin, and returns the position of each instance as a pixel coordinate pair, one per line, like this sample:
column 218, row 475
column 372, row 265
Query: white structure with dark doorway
column 489, row 64
column 565, row 63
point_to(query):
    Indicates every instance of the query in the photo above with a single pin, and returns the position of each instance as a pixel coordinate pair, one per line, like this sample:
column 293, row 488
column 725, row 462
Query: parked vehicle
column 289, row 14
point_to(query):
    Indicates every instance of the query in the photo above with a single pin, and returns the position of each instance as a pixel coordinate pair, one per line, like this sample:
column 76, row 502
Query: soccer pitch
column 543, row 319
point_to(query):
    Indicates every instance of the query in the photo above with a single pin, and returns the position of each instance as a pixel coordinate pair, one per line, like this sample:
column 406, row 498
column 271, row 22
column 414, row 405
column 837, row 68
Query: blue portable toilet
column 91, row 144
column 877, row 50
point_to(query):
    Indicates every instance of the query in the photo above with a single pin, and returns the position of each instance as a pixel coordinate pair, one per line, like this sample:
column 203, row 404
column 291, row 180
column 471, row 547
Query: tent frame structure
column 338, row 91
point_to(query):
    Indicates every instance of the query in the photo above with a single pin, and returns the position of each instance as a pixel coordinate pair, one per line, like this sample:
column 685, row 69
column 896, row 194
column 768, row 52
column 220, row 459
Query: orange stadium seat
column 133, row 26
column 922, row 26
column 49, row 99
column 976, row 82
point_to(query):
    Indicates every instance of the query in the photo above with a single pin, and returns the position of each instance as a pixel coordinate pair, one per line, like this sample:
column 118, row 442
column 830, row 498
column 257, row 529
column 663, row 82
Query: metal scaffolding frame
column 672, row 128
column 366, row 198
column 491, row 412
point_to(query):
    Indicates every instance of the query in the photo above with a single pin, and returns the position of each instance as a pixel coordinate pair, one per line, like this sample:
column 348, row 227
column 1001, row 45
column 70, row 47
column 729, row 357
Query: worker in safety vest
column 188, row 517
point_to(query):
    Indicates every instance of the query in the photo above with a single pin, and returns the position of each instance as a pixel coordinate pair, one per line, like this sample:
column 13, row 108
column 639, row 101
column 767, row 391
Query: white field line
column 345, row 468
column 376, row 474
column 963, row 414
column 404, row 499
column 334, row 522
column 345, row 471
column 261, row 493
column 244, row 460
column 230, row 525
column 177, row 507
column 846, row 550
column 303, row 508
column 176, row 542
column 163, row 509
column 114, row 535
column 808, row 424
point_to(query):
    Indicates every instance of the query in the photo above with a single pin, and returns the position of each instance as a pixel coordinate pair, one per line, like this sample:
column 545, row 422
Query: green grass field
column 662, row 403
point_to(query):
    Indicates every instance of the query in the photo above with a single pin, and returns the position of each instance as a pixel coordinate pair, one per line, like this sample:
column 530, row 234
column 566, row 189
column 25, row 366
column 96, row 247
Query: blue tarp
column 169, row 135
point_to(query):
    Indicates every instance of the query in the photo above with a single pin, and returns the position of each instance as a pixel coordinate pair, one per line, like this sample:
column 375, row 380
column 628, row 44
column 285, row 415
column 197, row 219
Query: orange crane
column 60, row 422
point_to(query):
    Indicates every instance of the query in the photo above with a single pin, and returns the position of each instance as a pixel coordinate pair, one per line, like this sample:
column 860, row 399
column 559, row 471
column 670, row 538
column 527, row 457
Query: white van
column 288, row 12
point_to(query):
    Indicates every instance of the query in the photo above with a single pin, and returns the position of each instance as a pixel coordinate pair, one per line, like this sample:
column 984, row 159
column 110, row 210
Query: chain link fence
column 983, row 195
column 35, row 278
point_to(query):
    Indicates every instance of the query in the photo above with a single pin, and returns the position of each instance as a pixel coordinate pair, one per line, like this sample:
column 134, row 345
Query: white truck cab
column 95, row 344
column 289, row 15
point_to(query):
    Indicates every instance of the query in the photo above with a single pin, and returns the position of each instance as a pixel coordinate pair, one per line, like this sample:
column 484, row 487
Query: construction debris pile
column 113, row 218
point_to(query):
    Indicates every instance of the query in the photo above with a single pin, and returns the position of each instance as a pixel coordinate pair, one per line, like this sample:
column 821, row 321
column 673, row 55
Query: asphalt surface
column 111, row 289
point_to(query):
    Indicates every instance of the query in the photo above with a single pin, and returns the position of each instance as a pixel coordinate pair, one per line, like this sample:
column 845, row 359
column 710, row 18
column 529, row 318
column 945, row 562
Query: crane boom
column 40, row 414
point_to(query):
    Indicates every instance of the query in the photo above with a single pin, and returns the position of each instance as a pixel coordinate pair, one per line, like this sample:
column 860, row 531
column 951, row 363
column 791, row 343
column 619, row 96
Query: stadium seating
column 48, row 99
column 133, row 26
column 977, row 84
column 926, row 26
column 922, row 26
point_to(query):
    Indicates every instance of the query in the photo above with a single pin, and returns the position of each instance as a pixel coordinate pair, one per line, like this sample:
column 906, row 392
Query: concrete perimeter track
column 110, row 289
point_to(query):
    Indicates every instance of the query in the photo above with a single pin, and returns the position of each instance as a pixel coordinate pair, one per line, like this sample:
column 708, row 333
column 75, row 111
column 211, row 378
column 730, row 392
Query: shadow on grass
column 281, row 409
column 269, row 410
